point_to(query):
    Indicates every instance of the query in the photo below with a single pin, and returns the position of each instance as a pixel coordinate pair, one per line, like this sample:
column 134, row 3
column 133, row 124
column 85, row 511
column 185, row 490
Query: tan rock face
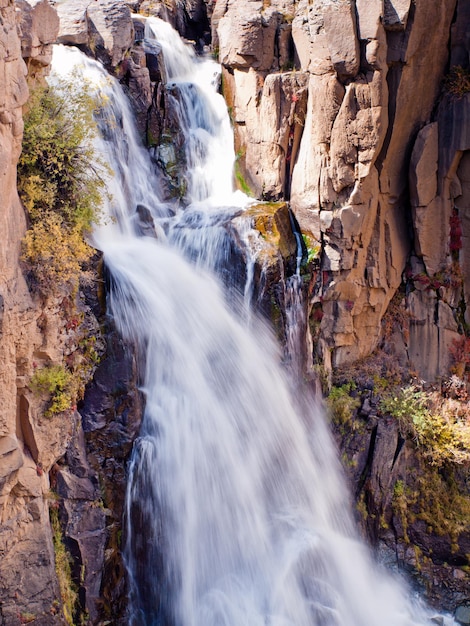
column 373, row 71
column 39, row 25
column 246, row 37
column 29, row 335
column 111, row 30
column 73, row 22
column 104, row 26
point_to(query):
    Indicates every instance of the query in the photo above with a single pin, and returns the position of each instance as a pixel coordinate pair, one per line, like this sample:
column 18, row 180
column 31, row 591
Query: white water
column 236, row 511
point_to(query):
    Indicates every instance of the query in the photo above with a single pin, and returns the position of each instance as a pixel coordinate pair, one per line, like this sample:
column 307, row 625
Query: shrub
column 440, row 426
column 457, row 81
column 60, row 182
column 54, row 382
column 455, row 235
column 408, row 405
column 312, row 246
column 341, row 405
column 460, row 352
column 54, row 255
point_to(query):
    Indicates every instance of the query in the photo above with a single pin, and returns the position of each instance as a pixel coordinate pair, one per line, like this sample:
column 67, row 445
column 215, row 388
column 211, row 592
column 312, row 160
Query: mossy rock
column 272, row 221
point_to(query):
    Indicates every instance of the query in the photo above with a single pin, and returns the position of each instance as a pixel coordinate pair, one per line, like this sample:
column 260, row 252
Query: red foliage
column 72, row 323
column 422, row 279
column 460, row 350
column 455, row 238
column 317, row 314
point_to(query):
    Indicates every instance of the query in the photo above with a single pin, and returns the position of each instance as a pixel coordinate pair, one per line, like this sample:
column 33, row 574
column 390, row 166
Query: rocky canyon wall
column 53, row 522
column 28, row 446
column 338, row 107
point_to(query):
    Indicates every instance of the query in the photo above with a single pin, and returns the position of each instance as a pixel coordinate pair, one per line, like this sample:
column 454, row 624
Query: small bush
column 341, row 405
column 54, row 382
column 457, row 81
column 312, row 246
column 441, row 426
column 460, row 353
column 408, row 405
column 54, row 254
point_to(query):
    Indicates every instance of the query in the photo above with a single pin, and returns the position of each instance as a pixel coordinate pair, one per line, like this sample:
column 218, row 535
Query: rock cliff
column 39, row 332
column 28, row 446
column 336, row 106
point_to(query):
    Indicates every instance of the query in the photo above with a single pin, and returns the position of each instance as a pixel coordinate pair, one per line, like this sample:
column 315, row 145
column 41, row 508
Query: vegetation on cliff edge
column 60, row 183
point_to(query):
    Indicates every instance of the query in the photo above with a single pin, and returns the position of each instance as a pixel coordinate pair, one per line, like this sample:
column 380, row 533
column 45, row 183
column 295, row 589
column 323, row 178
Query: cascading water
column 236, row 513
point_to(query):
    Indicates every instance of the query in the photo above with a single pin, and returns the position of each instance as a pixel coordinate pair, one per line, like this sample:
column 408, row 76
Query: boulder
column 462, row 614
column 39, row 29
column 339, row 22
column 110, row 29
column 310, row 39
column 369, row 16
column 73, row 22
column 272, row 128
column 246, row 37
column 396, row 14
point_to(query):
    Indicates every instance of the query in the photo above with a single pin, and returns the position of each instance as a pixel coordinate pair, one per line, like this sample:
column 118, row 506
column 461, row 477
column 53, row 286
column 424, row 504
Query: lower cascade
column 236, row 512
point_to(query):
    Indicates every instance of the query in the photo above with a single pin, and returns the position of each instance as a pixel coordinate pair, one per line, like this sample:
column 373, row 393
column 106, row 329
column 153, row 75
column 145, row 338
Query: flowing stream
column 236, row 514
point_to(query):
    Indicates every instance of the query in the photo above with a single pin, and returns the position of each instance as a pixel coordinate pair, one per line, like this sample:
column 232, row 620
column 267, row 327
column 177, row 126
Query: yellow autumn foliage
column 54, row 254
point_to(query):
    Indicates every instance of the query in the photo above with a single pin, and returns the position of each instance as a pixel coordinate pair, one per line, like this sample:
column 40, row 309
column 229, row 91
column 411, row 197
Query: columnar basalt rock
column 380, row 177
column 373, row 73
column 35, row 332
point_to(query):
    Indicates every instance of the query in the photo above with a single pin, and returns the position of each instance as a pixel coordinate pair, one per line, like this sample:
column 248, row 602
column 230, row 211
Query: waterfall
column 236, row 513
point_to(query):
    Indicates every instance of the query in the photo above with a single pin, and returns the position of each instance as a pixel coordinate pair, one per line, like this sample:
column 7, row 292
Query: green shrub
column 341, row 405
column 400, row 506
column 60, row 182
column 53, row 382
column 433, row 422
column 408, row 405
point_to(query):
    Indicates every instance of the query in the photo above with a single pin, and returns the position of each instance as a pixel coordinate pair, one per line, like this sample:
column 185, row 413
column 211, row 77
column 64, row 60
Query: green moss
column 443, row 505
column 241, row 182
column 436, row 498
column 437, row 428
column 400, row 506
column 63, row 568
column 313, row 247
column 399, row 489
